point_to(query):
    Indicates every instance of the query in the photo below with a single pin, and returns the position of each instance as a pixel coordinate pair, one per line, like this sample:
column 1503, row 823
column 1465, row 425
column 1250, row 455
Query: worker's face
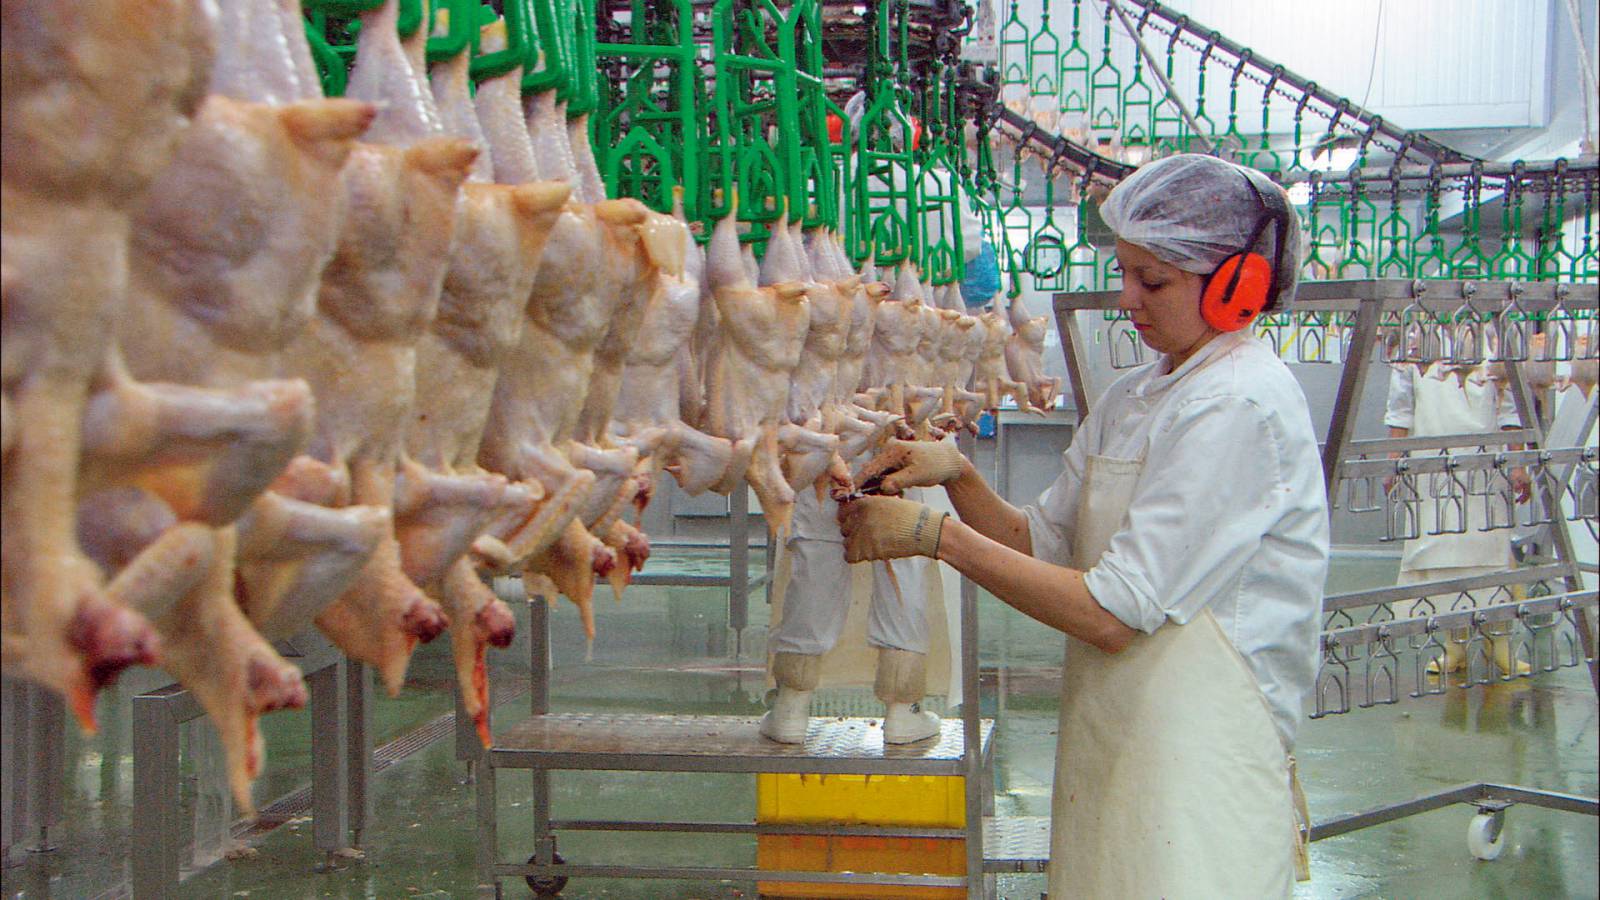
column 1163, row 301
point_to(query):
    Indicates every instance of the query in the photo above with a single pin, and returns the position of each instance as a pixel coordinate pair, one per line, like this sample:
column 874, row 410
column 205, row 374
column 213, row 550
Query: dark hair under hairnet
column 1193, row 211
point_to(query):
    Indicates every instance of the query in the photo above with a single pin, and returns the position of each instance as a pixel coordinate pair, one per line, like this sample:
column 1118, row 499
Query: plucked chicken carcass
column 890, row 375
column 500, row 235
column 970, row 398
column 807, row 452
column 653, row 381
column 377, row 297
column 1025, row 355
column 953, row 371
column 519, row 438
column 850, row 383
column 595, row 253
column 225, row 255
column 659, row 250
column 989, row 375
column 265, row 257
column 440, row 513
column 761, row 334
column 95, row 95
column 825, row 381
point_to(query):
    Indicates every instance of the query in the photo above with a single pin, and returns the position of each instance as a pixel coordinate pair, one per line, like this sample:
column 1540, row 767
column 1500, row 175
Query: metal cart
column 1368, row 637
column 572, row 742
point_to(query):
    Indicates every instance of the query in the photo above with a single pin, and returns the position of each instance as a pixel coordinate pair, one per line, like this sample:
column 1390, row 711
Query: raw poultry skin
column 295, row 554
column 500, row 235
column 519, row 437
column 225, row 256
column 595, row 255
column 655, row 246
column 653, row 382
column 1025, row 355
column 850, row 378
column 989, row 375
column 762, row 331
column 438, row 515
column 136, row 70
column 359, row 353
column 892, row 358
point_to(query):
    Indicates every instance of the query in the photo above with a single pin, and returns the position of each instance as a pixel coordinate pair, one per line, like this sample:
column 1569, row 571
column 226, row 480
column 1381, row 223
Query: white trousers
column 818, row 596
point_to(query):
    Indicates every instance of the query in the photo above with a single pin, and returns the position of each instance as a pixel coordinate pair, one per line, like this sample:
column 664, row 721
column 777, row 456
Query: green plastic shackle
column 1074, row 80
column 1105, row 90
column 493, row 65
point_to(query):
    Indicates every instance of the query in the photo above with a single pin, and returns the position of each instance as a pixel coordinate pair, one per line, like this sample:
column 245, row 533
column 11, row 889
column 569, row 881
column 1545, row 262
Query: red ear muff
column 1237, row 292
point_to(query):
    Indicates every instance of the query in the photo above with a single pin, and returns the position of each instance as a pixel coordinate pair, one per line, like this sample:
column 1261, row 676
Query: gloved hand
column 889, row 528
column 903, row 464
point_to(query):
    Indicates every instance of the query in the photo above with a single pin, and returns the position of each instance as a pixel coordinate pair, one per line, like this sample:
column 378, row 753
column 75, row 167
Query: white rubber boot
column 796, row 674
column 901, row 683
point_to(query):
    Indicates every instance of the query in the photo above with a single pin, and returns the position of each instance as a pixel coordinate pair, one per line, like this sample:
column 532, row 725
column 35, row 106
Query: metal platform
column 1021, row 844
column 646, row 743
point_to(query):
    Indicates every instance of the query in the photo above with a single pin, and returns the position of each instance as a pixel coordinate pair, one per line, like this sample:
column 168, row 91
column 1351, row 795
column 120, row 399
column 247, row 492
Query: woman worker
column 1182, row 551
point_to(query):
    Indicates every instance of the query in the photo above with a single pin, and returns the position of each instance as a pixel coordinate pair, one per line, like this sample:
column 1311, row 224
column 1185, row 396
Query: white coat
column 1228, row 514
column 1437, row 402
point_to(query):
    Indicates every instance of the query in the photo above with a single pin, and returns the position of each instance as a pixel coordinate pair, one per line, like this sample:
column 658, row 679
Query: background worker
column 1443, row 399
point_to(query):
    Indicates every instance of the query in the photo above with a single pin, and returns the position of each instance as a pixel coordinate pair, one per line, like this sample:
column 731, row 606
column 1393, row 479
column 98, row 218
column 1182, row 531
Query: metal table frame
column 1375, row 303
column 341, row 765
column 1015, row 843
column 738, row 582
column 34, row 726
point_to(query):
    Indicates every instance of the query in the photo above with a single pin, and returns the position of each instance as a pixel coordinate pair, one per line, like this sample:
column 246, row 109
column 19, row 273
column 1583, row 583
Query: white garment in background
column 1229, row 513
column 1170, row 778
column 1572, row 410
column 818, row 593
column 1436, row 402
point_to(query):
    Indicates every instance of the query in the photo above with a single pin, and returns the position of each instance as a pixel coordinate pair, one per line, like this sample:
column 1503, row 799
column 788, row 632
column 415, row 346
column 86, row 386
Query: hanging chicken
column 137, row 70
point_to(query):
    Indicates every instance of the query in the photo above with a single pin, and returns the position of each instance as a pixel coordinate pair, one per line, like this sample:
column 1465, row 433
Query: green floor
column 668, row 650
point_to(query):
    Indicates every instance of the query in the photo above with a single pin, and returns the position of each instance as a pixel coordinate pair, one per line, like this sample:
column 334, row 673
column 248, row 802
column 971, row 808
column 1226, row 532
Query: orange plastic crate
column 825, row 853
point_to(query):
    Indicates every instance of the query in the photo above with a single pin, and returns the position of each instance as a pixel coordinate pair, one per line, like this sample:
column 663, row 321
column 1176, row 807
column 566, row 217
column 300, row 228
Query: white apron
column 1439, row 407
column 1170, row 778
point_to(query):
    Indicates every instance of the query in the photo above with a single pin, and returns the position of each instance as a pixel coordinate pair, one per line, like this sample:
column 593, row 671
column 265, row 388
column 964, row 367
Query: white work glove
column 889, row 528
column 902, row 464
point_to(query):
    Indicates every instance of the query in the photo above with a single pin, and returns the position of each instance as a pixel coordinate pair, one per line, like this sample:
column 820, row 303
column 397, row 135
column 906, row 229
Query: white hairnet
column 1194, row 211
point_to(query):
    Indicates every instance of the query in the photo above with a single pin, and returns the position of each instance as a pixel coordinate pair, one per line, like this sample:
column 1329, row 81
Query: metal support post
column 539, row 654
column 13, row 762
column 330, row 798
column 1352, row 383
column 1560, row 537
column 739, row 563
column 358, row 748
column 34, row 761
column 539, row 695
column 971, row 727
column 488, row 835
column 155, row 831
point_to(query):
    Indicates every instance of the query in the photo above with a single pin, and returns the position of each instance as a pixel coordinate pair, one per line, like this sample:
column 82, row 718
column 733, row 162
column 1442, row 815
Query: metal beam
column 1582, row 165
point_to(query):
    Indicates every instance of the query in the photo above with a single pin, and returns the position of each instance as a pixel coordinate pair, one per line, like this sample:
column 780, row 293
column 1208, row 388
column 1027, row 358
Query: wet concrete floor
column 668, row 650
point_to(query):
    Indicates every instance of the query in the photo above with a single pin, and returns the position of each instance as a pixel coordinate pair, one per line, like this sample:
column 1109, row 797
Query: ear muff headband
column 1245, row 284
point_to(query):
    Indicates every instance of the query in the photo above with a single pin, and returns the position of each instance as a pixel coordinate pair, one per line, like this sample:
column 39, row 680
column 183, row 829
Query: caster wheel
column 546, row 885
column 1486, row 835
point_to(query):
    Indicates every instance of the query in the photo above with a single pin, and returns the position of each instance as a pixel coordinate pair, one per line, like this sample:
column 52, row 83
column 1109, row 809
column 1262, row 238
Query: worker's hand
column 889, row 528
column 903, row 464
column 1521, row 485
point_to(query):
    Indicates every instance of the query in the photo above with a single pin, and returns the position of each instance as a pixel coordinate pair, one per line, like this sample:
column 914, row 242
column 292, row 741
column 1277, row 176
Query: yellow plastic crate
column 824, row 853
column 922, row 801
